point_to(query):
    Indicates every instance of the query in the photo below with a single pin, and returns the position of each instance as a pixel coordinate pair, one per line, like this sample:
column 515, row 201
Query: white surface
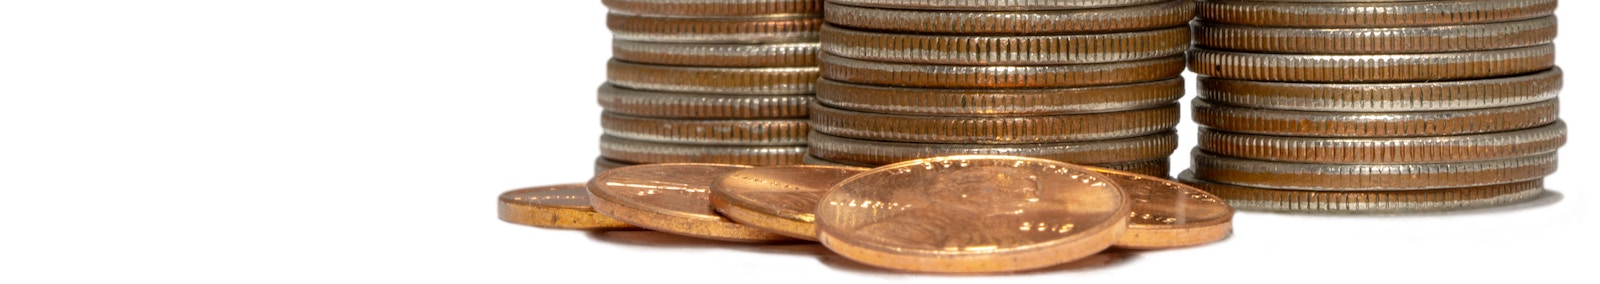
column 339, row 141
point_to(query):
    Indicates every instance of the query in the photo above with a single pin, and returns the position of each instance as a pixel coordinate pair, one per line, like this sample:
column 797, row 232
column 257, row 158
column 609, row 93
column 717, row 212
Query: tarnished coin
column 701, row 105
column 1159, row 167
column 779, row 199
column 771, row 132
column 671, row 198
column 1369, row 202
column 1168, row 214
column 714, row 8
column 1373, row 40
column 601, row 164
column 1382, row 97
column 1385, row 150
column 563, row 206
column 1379, row 177
column 1130, row 18
column 1373, row 124
column 993, row 5
column 644, row 152
column 1372, row 68
column 1004, row 49
column 714, row 30
column 716, row 54
column 961, row 76
column 1370, row 14
column 972, row 214
column 993, row 130
column 712, row 80
column 870, row 152
column 997, row 102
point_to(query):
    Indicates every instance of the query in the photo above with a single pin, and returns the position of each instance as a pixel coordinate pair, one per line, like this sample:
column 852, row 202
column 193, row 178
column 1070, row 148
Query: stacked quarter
column 1375, row 106
column 1084, row 82
column 708, row 81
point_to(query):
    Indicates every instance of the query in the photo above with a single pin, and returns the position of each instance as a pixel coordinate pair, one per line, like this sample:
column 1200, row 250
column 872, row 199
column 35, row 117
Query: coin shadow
column 654, row 239
column 1108, row 258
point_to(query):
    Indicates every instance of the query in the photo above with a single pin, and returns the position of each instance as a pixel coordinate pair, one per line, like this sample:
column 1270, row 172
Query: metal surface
column 671, row 198
column 644, row 152
column 993, row 130
column 1371, row 68
column 701, row 105
column 779, row 199
column 1369, row 202
column 564, row 206
column 1387, row 150
column 1385, row 97
column 1376, row 40
column 1374, row 124
column 959, row 76
column 1130, row 18
column 754, row 132
column 1001, row 50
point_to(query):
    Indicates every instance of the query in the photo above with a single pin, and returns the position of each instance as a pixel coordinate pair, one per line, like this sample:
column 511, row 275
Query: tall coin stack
column 714, row 81
column 1085, row 82
column 1375, row 106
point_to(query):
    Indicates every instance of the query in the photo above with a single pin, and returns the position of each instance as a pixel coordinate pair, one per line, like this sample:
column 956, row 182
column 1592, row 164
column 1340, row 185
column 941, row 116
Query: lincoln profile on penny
column 996, row 207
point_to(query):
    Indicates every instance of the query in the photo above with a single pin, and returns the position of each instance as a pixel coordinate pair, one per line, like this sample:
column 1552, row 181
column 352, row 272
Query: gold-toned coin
column 716, row 54
column 1373, row 124
column 966, row 214
column 563, row 206
column 1373, row 40
column 645, row 152
column 1370, row 177
column 1026, row 50
column 993, row 130
column 1385, row 150
column 700, row 105
column 770, row 132
column 712, row 80
column 1130, row 18
column 870, row 152
column 993, row 5
column 1382, row 97
column 802, row 28
column 671, row 198
column 715, row 8
column 997, row 102
column 779, row 199
column 601, row 164
column 1369, row 202
column 1372, row 68
column 960, row 76
column 1370, row 14
column 1168, row 214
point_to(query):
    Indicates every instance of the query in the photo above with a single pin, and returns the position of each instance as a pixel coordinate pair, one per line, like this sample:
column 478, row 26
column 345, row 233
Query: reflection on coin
column 993, row 130
column 635, row 151
column 843, row 69
column 701, row 105
column 871, row 152
column 1168, row 214
column 1002, row 50
column 714, row 30
column 1373, row 124
column 779, row 199
column 714, row 8
column 1369, row 202
column 672, row 198
column 712, row 80
column 563, row 206
column 1075, row 21
column 997, row 102
column 1371, row 68
column 1376, row 40
column 771, row 132
column 1385, row 14
column 1370, row 177
column 1384, row 97
column 1386, row 150
column 716, row 54
column 972, row 214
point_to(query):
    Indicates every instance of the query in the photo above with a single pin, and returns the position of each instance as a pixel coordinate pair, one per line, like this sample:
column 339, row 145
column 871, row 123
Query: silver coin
column 1112, row 151
column 716, row 54
column 644, row 152
column 1370, row 14
column 1372, row 68
column 1373, row 124
column 1385, row 97
column 993, row 5
column 712, row 80
column 701, row 106
column 1387, row 150
column 1368, row 202
column 1130, row 18
column 959, row 76
column 1005, row 50
column 993, row 130
column 1384, row 177
column 998, row 102
column 1390, row 40
column 769, row 132
column 714, row 30
column 714, row 8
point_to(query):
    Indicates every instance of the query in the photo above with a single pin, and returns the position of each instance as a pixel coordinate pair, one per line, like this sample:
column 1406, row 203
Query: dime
column 1386, row 150
column 1369, row 202
column 714, row 8
column 993, row 130
column 1369, row 40
column 1004, row 49
column 712, row 80
column 671, row 198
column 716, row 54
column 972, row 214
column 1384, row 14
column 957, row 76
column 1372, row 68
column 601, row 164
column 563, row 206
column 997, row 102
column 869, row 152
column 993, row 5
column 1168, row 214
column 1373, row 124
column 1379, row 177
column 1130, row 18
column 779, row 199
column 643, row 152
column 701, row 106
column 706, row 131
column 713, row 30
column 1382, row 97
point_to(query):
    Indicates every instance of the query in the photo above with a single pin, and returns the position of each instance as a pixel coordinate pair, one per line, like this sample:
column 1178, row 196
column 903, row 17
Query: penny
column 1386, row 150
column 716, row 54
column 1004, row 49
column 1373, row 40
column 1369, row 202
column 993, row 5
column 563, row 206
column 779, row 199
column 1130, row 18
column 1375, row 14
column 1168, row 214
column 707, row 131
column 993, row 130
column 1382, row 97
column 714, row 8
column 701, row 105
column 713, row 30
column 1372, row 68
column 961, row 76
column 1373, row 124
column 998, row 102
column 644, row 152
column 870, row 152
column 1363, row 177
column 601, row 164
column 712, row 80
column 966, row 214
column 671, row 198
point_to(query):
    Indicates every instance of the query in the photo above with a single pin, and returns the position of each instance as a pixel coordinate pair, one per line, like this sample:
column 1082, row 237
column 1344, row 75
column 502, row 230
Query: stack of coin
column 1375, row 106
column 1084, row 82
column 715, row 81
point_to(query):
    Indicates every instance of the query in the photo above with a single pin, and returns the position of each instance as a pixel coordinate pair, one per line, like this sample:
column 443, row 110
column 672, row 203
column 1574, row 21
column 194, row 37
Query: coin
column 1369, row 202
column 1382, row 97
column 1373, row 40
column 714, row 8
column 967, row 214
column 707, row 131
column 1168, row 214
column 601, row 164
column 869, row 152
column 1371, row 68
column 959, row 76
column 671, row 198
column 563, row 206
column 993, row 130
column 1385, row 14
column 701, row 105
column 779, row 199
column 1130, row 18
column 993, row 5
column 1159, row 167
column 1385, row 150
column 644, row 152
column 1373, row 124
column 716, row 54
column 712, row 80
column 1379, row 177
column 998, row 102
column 1004, row 49
column 713, row 30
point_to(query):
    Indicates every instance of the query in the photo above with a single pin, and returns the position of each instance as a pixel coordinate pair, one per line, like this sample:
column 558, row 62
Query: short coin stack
column 1084, row 82
column 716, row 81
column 1375, row 106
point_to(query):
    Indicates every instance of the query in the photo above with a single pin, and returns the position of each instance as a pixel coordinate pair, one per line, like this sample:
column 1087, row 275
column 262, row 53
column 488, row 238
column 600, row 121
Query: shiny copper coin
column 1004, row 49
column 993, row 5
column 965, row 214
column 1378, row 177
column 712, row 80
column 563, row 206
column 993, row 130
column 716, row 54
column 1130, row 18
column 714, row 8
column 714, row 30
column 779, row 199
column 1384, row 97
column 1372, row 68
column 1379, row 40
column 960, row 76
column 871, row 152
column 671, row 198
column 701, row 105
column 645, row 152
column 1386, row 150
column 707, row 131
column 1375, row 14
column 998, row 102
column 601, row 164
column 1168, row 214
column 1373, row 124
column 1369, row 202
column 1160, row 167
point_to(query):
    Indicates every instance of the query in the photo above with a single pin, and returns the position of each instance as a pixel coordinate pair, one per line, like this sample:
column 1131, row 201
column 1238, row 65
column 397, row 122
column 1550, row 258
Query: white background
column 343, row 141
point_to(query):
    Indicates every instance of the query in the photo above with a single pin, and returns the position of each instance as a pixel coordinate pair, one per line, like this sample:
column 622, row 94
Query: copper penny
column 1168, row 214
column 779, row 199
column 671, row 198
column 563, row 206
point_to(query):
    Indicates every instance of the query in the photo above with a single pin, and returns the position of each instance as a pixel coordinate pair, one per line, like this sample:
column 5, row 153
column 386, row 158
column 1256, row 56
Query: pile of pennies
column 1367, row 106
column 957, row 214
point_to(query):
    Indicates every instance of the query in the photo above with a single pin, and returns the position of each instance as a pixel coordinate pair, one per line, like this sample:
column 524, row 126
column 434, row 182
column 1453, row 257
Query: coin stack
column 1375, row 106
column 717, row 81
column 1084, row 82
